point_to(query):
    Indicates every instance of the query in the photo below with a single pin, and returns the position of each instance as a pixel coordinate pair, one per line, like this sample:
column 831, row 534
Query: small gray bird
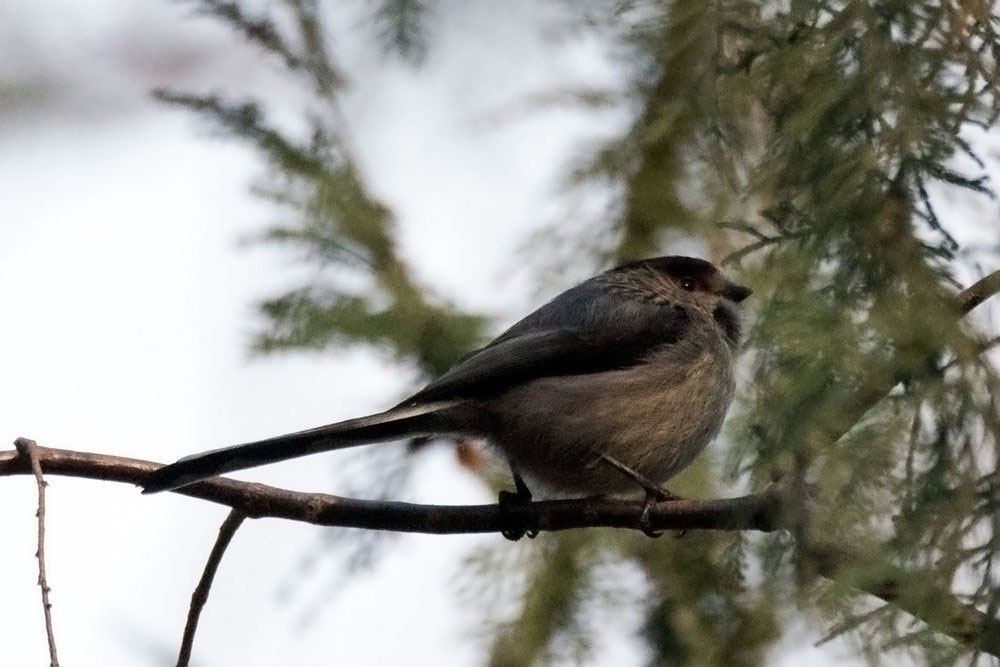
column 615, row 384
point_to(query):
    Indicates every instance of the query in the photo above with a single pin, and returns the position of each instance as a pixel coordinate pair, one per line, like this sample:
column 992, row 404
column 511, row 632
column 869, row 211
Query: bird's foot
column 654, row 492
column 511, row 499
column 644, row 521
column 652, row 497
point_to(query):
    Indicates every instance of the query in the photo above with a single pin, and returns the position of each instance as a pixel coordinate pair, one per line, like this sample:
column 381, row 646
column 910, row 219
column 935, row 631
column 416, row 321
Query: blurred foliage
column 337, row 224
column 804, row 139
column 401, row 26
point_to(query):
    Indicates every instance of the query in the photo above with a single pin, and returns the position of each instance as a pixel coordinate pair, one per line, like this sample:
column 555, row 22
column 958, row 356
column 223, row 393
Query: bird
column 611, row 388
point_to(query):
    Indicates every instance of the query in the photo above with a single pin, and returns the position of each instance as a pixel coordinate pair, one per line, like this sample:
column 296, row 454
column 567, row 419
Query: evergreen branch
column 317, row 59
column 937, row 608
column 263, row 31
column 952, row 177
column 400, row 25
column 746, row 228
column 245, row 120
column 909, row 591
column 259, row 30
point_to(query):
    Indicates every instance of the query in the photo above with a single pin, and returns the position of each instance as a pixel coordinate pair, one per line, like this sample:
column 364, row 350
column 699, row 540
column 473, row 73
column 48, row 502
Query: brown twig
column 28, row 451
column 754, row 512
column 983, row 289
column 200, row 595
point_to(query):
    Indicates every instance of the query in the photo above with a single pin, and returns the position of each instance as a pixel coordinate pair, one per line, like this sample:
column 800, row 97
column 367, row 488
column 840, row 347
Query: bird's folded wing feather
column 584, row 330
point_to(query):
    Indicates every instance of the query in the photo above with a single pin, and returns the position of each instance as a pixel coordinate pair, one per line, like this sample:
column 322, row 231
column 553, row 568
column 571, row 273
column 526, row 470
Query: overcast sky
column 128, row 307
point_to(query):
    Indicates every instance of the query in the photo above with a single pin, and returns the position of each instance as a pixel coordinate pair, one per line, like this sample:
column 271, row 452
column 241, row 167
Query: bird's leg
column 652, row 489
column 654, row 492
column 507, row 499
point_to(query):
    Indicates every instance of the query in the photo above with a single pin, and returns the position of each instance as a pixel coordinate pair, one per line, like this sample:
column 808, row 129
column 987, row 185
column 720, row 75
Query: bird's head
column 688, row 282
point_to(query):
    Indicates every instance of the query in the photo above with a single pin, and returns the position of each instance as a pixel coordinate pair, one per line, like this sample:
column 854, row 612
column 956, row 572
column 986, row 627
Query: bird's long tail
column 399, row 422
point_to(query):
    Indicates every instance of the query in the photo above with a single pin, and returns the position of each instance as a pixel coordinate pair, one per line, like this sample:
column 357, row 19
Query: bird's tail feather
column 399, row 422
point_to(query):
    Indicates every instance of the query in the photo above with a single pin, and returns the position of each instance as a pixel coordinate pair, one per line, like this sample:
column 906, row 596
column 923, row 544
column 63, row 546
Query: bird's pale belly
column 555, row 429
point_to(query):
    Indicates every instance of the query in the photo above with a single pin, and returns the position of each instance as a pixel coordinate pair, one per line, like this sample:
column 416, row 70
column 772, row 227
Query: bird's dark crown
column 675, row 266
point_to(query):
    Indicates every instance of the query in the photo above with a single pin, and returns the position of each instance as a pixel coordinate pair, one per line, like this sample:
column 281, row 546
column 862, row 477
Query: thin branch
column 755, row 512
column 200, row 595
column 27, row 450
column 972, row 296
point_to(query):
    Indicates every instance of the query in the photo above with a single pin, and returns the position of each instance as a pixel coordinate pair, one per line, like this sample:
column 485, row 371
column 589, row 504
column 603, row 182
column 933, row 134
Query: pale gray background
column 127, row 310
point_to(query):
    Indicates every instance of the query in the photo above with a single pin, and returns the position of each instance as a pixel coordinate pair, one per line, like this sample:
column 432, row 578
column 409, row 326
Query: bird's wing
column 584, row 330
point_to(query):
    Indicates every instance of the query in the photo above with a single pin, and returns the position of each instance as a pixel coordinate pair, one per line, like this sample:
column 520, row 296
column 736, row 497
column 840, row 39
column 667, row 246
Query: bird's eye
column 688, row 284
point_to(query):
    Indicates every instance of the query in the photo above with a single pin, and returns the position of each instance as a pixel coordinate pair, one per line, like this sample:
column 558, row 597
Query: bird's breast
column 654, row 417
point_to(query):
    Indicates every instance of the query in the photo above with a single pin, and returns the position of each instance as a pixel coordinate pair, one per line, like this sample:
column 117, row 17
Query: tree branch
column 200, row 595
column 27, row 451
column 755, row 512
column 986, row 287
column 760, row 512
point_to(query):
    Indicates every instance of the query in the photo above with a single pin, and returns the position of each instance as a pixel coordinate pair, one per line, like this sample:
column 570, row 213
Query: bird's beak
column 735, row 293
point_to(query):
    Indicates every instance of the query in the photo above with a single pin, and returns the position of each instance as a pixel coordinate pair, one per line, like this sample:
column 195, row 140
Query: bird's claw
column 508, row 499
column 653, row 496
column 644, row 521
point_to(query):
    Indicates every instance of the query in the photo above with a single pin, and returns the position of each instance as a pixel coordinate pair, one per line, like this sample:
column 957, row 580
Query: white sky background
column 128, row 308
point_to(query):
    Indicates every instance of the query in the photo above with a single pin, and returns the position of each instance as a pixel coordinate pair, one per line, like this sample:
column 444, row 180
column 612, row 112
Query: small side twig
column 28, row 449
column 200, row 595
column 974, row 295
